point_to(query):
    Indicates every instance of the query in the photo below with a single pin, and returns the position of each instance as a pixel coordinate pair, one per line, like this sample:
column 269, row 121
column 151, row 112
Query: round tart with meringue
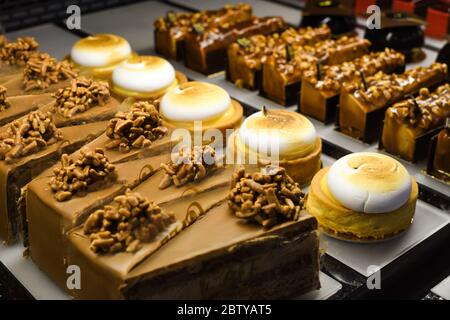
column 363, row 197
column 98, row 55
column 199, row 102
column 145, row 77
column 284, row 137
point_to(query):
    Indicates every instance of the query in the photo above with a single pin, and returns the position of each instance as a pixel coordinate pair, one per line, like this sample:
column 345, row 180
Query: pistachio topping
column 18, row 52
column 76, row 176
column 28, row 135
column 42, row 70
column 136, row 128
column 126, row 224
column 4, row 104
column 267, row 197
column 80, row 96
column 190, row 165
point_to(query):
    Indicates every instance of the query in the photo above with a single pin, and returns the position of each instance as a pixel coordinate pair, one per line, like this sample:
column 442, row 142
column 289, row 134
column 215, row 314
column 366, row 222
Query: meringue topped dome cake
column 145, row 77
column 98, row 55
column 291, row 135
column 207, row 103
column 363, row 197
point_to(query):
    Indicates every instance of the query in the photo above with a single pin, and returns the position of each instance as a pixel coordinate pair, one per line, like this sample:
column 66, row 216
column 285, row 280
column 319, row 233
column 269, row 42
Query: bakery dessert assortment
column 279, row 136
column 363, row 197
column 98, row 55
column 321, row 88
column 409, row 125
column 438, row 164
column 247, row 55
column 362, row 105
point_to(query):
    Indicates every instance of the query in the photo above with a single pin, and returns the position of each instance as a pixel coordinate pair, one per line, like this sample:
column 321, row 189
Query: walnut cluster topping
column 427, row 110
column 91, row 168
column 81, row 95
column 42, row 70
column 190, row 165
column 267, row 197
column 136, row 128
column 18, row 52
column 4, row 104
column 125, row 224
column 333, row 77
column 381, row 88
column 27, row 136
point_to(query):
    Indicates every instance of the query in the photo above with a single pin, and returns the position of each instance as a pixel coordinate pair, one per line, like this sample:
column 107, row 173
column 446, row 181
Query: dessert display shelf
column 346, row 266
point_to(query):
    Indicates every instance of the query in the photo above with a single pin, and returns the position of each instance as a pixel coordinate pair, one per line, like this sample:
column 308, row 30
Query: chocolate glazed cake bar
column 246, row 55
column 410, row 124
column 206, row 46
column 14, row 55
column 321, row 87
column 362, row 104
column 170, row 31
column 228, row 253
column 282, row 72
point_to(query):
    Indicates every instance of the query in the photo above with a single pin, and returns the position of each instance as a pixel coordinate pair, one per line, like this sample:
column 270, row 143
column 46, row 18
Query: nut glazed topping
column 18, row 52
column 4, row 104
column 190, row 165
column 425, row 111
column 267, row 197
column 42, row 70
column 27, row 136
column 125, row 224
column 81, row 95
column 334, row 76
column 136, row 128
column 92, row 168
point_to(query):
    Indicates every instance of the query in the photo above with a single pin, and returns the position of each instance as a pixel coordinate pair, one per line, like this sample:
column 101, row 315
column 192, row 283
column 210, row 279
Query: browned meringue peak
column 125, row 224
column 28, row 135
column 18, row 52
column 42, row 70
column 81, row 95
column 137, row 128
column 92, row 168
column 267, row 197
column 190, row 165
column 4, row 104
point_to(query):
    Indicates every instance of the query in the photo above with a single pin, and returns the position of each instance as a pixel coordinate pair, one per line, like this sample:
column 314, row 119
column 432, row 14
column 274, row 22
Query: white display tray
column 443, row 289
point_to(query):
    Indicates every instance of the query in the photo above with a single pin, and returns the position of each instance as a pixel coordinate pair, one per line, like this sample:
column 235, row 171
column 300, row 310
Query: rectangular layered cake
column 170, row 31
column 282, row 71
column 14, row 55
column 320, row 89
column 409, row 125
column 246, row 56
column 438, row 162
column 362, row 105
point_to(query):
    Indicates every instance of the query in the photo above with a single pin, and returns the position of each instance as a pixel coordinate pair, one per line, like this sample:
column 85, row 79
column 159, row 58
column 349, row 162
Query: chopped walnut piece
column 42, row 70
column 28, row 135
column 125, row 224
column 81, row 95
column 190, row 165
column 4, row 104
column 92, row 168
column 267, row 197
column 137, row 128
column 18, row 52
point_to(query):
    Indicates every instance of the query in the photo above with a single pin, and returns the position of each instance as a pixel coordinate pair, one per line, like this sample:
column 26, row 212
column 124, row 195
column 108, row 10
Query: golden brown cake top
column 80, row 96
column 136, row 128
column 381, row 88
column 190, row 165
column 4, row 104
column 427, row 111
column 42, row 70
column 18, row 52
column 28, row 135
column 126, row 224
column 91, row 169
column 267, row 197
column 333, row 77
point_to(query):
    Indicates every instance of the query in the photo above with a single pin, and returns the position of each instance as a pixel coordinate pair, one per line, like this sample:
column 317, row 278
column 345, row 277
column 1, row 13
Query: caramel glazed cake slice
column 234, row 251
